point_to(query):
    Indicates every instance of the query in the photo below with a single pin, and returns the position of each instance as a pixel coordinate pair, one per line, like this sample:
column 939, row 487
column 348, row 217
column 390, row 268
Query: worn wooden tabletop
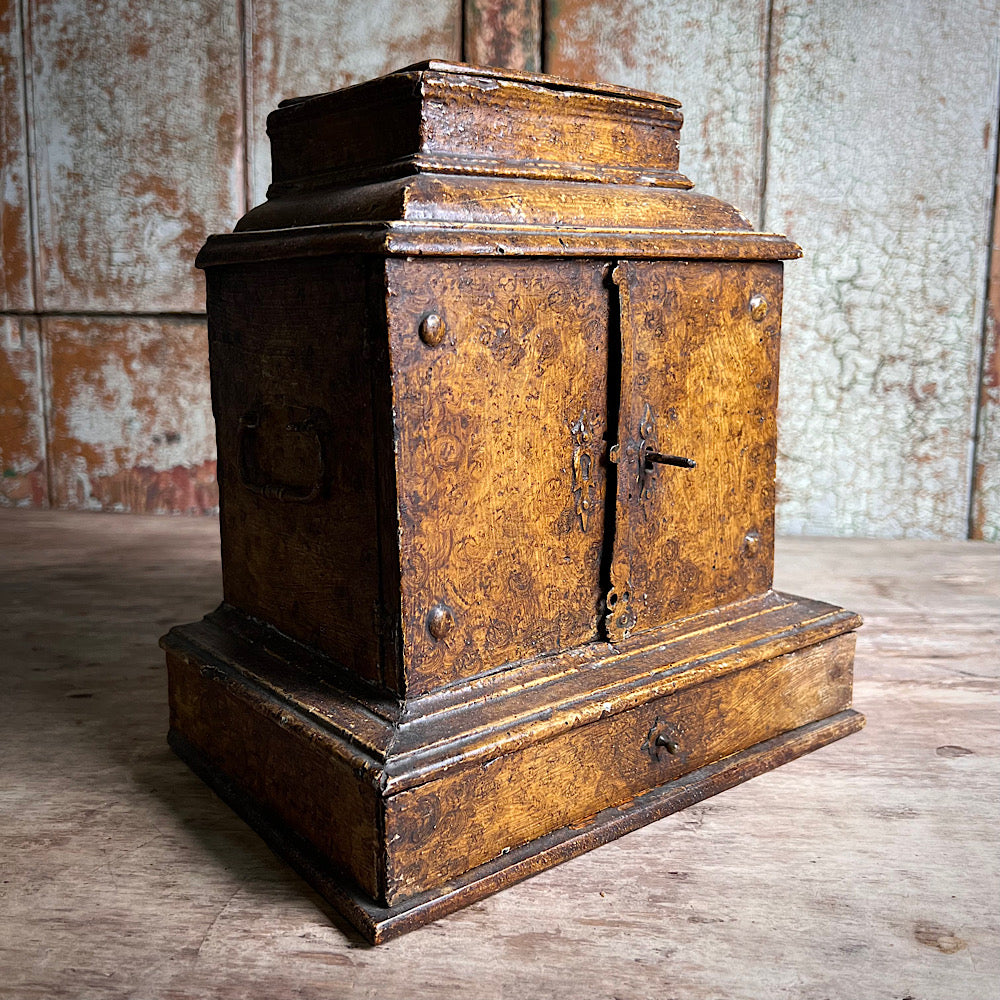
column 869, row 869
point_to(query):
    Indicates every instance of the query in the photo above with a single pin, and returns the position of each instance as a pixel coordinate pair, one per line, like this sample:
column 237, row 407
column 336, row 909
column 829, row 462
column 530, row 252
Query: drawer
column 447, row 826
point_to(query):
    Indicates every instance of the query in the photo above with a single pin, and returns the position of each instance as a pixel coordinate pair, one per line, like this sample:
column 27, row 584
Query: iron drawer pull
column 250, row 476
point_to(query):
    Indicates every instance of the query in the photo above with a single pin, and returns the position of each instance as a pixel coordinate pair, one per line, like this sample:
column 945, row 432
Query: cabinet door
column 694, row 459
column 500, row 410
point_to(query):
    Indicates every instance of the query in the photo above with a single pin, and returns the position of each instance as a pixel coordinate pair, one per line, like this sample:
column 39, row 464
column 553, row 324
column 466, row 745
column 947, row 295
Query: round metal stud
column 432, row 329
column 758, row 308
column 751, row 544
column 440, row 621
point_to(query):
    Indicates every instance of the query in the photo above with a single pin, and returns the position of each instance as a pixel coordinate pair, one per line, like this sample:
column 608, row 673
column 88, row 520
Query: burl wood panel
column 138, row 154
column 699, row 383
column 711, row 56
column 129, row 419
column 22, row 422
column 439, row 830
column 289, row 345
column 16, row 288
column 499, row 441
column 883, row 318
column 316, row 46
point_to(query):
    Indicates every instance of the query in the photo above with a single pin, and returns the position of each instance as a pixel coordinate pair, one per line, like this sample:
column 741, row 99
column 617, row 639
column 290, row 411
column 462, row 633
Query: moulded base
column 398, row 813
column 380, row 923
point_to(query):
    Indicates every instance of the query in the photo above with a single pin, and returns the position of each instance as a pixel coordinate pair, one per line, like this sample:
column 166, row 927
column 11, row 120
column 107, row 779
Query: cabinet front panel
column 695, row 490
column 499, row 399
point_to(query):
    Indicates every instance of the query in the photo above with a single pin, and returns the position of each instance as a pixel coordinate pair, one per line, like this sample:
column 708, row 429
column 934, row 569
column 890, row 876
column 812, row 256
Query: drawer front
column 499, row 401
column 444, row 828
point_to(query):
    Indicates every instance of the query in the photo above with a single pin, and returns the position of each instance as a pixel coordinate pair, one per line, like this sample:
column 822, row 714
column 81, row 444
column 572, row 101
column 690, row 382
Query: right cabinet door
column 695, row 455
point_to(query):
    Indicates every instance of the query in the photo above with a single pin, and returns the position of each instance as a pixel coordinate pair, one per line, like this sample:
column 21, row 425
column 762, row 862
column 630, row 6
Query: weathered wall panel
column 15, row 225
column 130, row 420
column 881, row 166
column 137, row 133
column 22, row 427
column 709, row 54
column 315, row 46
column 984, row 520
column 504, row 33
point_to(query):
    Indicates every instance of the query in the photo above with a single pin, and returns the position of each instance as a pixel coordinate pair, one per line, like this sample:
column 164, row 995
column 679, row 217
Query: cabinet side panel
column 291, row 391
column 500, row 442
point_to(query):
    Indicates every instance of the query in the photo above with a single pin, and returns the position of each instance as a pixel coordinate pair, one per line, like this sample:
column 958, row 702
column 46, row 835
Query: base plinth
column 400, row 814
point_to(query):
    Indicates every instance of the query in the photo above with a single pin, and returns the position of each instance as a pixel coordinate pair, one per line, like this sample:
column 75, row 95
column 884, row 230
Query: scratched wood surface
column 882, row 336
column 869, row 868
column 147, row 124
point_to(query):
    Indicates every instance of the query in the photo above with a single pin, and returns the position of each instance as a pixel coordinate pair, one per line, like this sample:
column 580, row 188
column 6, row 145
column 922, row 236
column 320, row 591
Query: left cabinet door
column 499, row 372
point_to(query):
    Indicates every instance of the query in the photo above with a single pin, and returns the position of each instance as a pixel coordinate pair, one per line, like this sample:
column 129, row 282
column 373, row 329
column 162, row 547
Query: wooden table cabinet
column 495, row 399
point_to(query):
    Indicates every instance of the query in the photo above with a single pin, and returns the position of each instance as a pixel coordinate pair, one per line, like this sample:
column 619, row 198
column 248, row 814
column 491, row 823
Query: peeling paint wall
column 867, row 132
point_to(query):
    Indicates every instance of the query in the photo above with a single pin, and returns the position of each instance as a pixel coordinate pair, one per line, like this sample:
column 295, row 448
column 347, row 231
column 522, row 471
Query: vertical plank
column 709, row 54
column 22, row 433
column 15, row 216
column 316, row 46
column 503, row 33
column 881, row 167
column 137, row 132
column 984, row 519
column 130, row 421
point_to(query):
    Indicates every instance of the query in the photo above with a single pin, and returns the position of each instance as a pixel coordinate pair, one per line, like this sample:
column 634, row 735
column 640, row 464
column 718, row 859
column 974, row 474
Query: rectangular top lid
column 440, row 117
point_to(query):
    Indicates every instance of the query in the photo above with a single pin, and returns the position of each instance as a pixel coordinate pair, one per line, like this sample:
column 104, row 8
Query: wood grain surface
column 712, row 57
column 868, row 868
column 871, row 136
column 316, row 46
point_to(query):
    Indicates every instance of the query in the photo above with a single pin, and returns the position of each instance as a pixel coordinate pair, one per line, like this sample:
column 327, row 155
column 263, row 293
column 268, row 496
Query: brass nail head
column 440, row 621
column 432, row 329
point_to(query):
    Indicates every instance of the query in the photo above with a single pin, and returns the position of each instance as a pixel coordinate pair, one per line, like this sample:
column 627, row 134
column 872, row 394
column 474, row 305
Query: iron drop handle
column 250, row 475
